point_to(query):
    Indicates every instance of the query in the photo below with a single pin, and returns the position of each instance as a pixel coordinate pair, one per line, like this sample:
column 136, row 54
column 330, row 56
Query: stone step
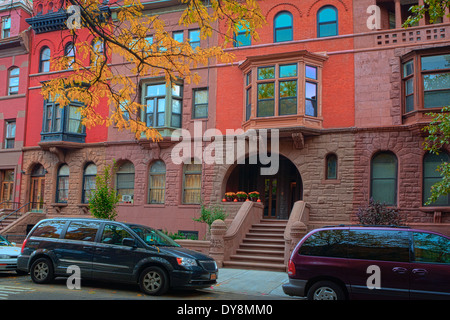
column 258, row 258
column 255, row 265
column 264, row 235
column 261, row 252
column 260, row 240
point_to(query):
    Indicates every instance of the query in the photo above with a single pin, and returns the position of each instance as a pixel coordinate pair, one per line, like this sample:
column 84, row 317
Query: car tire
column 326, row 290
column 41, row 271
column 154, row 281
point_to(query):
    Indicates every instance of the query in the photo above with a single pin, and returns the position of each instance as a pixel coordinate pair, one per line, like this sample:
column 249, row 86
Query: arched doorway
column 37, row 187
column 278, row 192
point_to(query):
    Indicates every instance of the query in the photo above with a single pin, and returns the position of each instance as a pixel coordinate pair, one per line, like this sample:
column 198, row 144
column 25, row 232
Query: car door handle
column 400, row 270
column 420, row 272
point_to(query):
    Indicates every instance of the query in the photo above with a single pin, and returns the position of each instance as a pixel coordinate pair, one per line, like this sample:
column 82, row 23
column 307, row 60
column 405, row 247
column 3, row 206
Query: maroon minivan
column 362, row 262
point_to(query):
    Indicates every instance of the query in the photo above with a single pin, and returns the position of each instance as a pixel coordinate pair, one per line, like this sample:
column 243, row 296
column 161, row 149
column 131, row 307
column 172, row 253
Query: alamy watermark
column 236, row 146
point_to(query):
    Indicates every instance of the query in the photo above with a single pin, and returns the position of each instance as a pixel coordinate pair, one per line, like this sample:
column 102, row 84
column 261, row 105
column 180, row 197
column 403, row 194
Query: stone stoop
column 262, row 248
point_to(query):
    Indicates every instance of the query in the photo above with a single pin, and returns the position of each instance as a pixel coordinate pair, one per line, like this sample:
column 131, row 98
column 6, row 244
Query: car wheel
column 42, row 271
column 154, row 281
column 326, row 290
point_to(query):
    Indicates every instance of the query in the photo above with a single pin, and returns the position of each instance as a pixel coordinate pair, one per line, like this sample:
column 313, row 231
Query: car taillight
column 291, row 268
column 23, row 245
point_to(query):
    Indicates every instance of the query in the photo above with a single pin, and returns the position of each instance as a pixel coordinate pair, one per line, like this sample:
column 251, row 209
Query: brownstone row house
column 339, row 95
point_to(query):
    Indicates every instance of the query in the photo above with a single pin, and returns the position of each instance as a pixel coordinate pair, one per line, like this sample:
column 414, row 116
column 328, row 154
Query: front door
column 270, row 198
column 37, row 192
column 6, row 195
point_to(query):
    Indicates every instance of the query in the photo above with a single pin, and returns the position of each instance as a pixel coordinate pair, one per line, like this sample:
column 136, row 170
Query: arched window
column 192, row 183
column 89, row 175
column 157, row 182
column 283, row 27
column 327, row 22
column 62, row 184
column 69, row 52
column 383, row 186
column 431, row 176
column 13, row 81
column 44, row 60
column 125, row 181
column 331, row 169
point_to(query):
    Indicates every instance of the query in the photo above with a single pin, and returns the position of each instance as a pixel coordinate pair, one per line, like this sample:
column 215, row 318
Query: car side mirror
column 129, row 242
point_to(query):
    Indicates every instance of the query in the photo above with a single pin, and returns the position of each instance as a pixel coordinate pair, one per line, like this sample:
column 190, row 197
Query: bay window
column 425, row 81
column 281, row 88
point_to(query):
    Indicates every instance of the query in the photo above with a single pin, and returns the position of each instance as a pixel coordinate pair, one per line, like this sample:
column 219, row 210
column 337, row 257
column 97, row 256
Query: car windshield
column 4, row 242
column 153, row 237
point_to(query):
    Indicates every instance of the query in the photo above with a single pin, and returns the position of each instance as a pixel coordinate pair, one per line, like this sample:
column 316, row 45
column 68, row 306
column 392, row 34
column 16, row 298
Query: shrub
column 376, row 213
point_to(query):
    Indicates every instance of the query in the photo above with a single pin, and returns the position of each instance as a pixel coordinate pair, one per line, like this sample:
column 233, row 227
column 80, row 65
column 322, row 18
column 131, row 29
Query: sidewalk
column 252, row 282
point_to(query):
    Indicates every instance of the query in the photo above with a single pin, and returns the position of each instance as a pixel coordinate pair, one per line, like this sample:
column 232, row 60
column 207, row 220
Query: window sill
column 154, row 205
column 331, row 181
column 283, row 121
column 126, row 204
column 419, row 115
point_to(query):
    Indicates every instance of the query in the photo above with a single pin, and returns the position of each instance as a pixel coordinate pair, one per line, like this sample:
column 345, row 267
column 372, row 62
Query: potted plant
column 230, row 196
column 253, row 196
column 241, row 196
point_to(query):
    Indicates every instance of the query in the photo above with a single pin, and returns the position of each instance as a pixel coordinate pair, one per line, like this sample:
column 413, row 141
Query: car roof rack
column 367, row 225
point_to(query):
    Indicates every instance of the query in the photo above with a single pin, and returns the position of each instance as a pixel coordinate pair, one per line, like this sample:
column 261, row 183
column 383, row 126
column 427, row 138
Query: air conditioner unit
column 126, row 198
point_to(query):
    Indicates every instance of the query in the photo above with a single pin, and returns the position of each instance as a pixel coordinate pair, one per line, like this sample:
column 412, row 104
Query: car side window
column 432, row 248
column 114, row 234
column 82, row 230
column 383, row 245
column 49, row 229
column 326, row 243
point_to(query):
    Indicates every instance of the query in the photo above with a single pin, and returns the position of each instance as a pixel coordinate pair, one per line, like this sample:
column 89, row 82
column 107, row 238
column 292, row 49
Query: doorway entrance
column 37, row 187
column 278, row 192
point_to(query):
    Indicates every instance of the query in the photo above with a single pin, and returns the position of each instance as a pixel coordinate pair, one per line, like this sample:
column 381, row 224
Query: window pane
column 332, row 167
column 408, row 68
column 327, row 14
column 63, row 189
column 114, row 235
column 178, row 36
column 283, row 35
column 156, row 90
column 289, row 70
column 266, row 108
column 201, row 111
column 200, row 96
column 176, row 106
column 409, row 103
column 436, row 99
column 14, row 72
column 288, row 89
column 283, row 20
column 288, row 97
column 88, row 187
column 436, row 62
column 176, row 90
column 50, row 229
column 328, row 243
column 288, row 106
column 84, row 231
column 379, row 245
column 266, row 90
column 384, row 178
column 409, row 87
column 328, row 30
column 311, row 72
column 431, row 248
column 176, row 120
column 436, row 82
column 243, row 40
column 266, row 73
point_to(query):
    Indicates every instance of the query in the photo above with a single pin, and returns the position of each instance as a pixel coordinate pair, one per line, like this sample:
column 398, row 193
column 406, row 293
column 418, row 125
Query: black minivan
column 113, row 251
